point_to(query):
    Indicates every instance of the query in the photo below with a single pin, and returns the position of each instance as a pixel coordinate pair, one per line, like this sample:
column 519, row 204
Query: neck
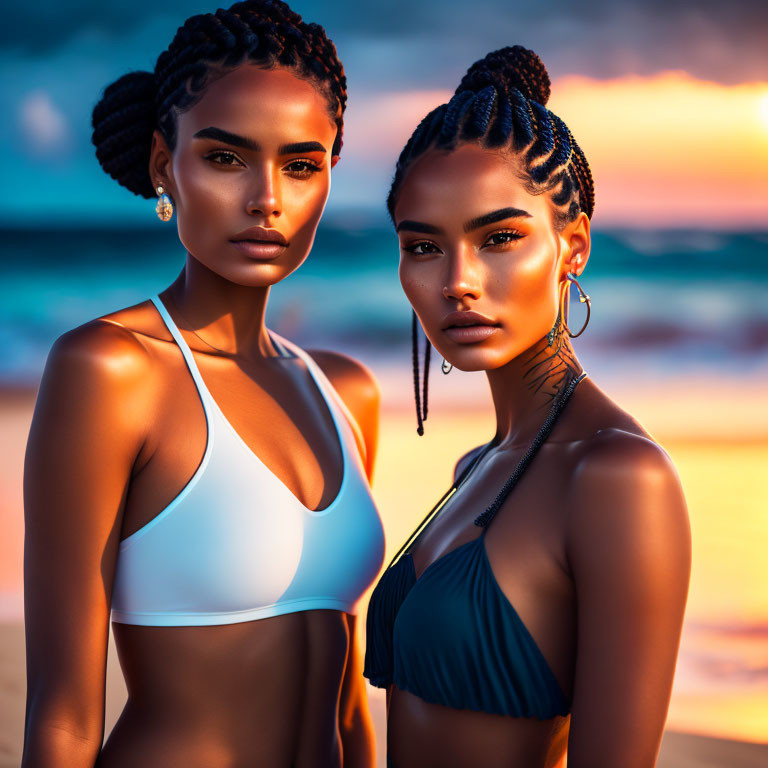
column 227, row 316
column 524, row 388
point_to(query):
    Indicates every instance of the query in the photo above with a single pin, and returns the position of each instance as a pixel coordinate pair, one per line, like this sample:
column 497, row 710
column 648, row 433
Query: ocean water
column 664, row 302
column 688, row 306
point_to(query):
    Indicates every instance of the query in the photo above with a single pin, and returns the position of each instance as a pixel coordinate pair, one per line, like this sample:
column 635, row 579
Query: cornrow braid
column 500, row 102
column 266, row 33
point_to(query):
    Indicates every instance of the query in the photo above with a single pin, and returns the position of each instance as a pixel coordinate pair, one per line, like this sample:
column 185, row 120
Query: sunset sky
column 668, row 100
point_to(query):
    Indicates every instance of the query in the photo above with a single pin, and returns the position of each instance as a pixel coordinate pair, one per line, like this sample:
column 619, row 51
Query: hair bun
column 509, row 68
column 123, row 122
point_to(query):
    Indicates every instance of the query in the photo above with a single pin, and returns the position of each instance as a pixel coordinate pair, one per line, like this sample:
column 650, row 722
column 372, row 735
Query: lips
column 260, row 243
column 468, row 327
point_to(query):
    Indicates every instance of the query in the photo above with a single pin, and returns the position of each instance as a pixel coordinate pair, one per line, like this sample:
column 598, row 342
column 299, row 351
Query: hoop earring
column 583, row 299
column 561, row 322
column 420, row 396
column 164, row 207
column 446, row 367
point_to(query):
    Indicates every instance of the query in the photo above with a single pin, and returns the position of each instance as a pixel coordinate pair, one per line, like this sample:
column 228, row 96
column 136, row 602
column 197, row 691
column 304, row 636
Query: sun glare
column 670, row 149
column 764, row 110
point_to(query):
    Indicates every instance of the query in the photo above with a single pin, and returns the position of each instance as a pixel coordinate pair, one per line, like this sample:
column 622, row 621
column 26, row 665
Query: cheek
column 304, row 201
column 416, row 284
column 201, row 190
column 524, row 281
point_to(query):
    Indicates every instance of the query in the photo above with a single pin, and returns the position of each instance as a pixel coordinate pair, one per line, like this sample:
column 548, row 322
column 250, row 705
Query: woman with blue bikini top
column 193, row 475
column 538, row 608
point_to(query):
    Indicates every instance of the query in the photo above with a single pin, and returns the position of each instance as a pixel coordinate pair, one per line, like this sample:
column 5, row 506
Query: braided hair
column 500, row 103
column 266, row 33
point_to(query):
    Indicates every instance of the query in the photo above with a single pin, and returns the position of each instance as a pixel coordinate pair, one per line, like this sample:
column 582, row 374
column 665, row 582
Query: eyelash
column 310, row 167
column 513, row 234
column 413, row 246
column 211, row 156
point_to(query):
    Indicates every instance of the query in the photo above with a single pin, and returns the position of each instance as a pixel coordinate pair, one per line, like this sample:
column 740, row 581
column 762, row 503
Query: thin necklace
column 207, row 343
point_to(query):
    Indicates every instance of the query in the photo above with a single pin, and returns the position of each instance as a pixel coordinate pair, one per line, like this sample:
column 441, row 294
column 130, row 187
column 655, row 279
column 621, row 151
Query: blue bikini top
column 451, row 636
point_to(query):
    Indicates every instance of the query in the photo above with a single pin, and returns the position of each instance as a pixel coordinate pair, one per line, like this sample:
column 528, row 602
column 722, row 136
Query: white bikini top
column 236, row 544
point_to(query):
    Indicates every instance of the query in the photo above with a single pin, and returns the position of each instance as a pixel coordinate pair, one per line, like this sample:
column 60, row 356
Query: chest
column 520, row 561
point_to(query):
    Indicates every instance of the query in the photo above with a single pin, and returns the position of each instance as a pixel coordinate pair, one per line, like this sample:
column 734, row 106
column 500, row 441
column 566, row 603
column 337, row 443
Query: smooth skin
column 119, row 430
column 592, row 548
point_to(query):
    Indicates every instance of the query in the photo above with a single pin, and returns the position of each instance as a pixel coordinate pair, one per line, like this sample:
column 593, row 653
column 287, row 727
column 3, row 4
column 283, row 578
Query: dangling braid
column 420, row 396
column 500, row 102
column 266, row 33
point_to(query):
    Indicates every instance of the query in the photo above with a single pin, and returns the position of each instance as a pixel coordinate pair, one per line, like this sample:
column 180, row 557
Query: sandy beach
column 719, row 708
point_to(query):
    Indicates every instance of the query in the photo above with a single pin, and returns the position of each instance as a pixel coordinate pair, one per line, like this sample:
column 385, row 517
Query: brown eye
column 221, row 157
column 421, row 248
column 302, row 168
column 502, row 238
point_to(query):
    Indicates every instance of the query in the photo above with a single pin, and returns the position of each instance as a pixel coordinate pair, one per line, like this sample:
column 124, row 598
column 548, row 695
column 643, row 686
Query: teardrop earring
column 446, row 367
column 164, row 207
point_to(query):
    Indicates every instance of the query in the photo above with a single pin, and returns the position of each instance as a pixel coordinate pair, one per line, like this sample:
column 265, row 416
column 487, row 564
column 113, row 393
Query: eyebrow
column 228, row 138
column 480, row 221
column 300, row 147
column 219, row 134
column 417, row 226
column 494, row 216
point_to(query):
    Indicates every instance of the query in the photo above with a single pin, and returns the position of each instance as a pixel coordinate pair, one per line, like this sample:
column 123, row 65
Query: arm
column 355, row 723
column 629, row 549
column 86, row 431
column 358, row 389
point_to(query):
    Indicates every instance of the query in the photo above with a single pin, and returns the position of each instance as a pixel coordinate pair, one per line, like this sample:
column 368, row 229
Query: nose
column 264, row 194
column 462, row 280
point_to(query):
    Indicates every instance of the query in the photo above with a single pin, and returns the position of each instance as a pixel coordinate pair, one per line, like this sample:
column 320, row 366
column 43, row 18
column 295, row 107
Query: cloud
column 438, row 39
column 43, row 126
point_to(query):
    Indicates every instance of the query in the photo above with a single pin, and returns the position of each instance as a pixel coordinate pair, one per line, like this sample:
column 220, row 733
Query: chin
column 474, row 360
column 256, row 275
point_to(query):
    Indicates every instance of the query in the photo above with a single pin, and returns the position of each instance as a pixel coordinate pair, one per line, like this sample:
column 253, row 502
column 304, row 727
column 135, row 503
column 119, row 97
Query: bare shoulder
column 625, row 493
column 356, row 386
column 113, row 344
column 614, row 458
column 358, row 389
column 100, row 348
column 100, row 371
column 349, row 376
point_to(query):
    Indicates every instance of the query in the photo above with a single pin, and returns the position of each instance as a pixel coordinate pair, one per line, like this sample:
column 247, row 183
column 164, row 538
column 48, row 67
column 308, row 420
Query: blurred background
column 669, row 101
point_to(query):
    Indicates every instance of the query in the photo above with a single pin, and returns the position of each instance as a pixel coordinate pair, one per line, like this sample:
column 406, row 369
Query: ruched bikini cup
column 452, row 637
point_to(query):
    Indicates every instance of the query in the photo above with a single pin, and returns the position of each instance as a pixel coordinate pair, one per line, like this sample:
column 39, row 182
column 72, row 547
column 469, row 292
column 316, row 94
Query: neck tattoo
column 550, row 369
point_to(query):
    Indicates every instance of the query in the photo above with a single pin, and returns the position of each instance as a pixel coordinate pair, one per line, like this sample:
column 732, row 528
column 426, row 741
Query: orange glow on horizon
column 671, row 149
column 667, row 150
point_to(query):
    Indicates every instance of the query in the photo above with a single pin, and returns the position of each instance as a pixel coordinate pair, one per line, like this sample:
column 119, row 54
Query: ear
column 334, row 160
column 576, row 244
column 161, row 164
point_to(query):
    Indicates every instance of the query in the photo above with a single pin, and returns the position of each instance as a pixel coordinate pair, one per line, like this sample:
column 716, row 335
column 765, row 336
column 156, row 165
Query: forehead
column 261, row 103
column 469, row 181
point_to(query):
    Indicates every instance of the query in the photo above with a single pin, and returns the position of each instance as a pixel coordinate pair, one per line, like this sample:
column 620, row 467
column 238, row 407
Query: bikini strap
column 279, row 346
column 185, row 351
column 560, row 401
column 341, row 415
